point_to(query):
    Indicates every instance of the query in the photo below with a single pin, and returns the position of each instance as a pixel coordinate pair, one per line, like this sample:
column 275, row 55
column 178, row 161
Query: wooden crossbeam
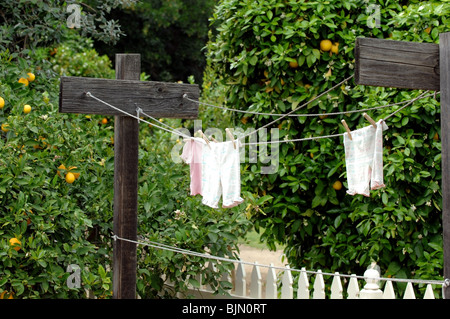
column 157, row 99
column 400, row 64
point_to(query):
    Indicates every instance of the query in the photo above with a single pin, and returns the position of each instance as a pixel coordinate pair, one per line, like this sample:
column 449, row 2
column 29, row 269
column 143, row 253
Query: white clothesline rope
column 302, row 115
column 171, row 130
column 161, row 246
column 297, row 108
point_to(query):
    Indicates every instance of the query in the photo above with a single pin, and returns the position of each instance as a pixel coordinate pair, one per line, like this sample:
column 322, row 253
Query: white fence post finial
column 372, row 289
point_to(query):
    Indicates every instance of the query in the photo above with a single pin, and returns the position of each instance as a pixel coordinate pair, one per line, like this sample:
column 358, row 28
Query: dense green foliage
column 60, row 224
column 169, row 35
column 53, row 220
column 29, row 24
column 252, row 63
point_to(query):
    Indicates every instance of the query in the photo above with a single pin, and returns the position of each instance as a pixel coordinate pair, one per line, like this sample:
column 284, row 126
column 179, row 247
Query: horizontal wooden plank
column 399, row 64
column 157, row 99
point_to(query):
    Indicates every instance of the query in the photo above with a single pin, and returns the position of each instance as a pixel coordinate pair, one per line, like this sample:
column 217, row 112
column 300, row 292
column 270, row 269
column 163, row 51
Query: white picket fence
column 367, row 286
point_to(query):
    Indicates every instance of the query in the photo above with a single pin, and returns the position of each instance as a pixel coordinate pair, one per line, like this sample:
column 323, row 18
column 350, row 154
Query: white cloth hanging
column 364, row 159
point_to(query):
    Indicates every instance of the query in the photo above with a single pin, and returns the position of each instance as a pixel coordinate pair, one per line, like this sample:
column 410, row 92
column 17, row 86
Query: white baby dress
column 219, row 170
column 364, row 159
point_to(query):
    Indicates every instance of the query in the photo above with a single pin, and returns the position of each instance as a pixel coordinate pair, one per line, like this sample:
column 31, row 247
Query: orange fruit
column 325, row 45
column 31, row 77
column 4, row 127
column 60, row 168
column 104, row 120
column 293, row 64
column 15, row 243
column 2, row 102
column 323, row 116
column 23, row 81
column 26, row 108
column 337, row 185
column 436, row 137
column 70, row 178
column 335, row 48
column 5, row 294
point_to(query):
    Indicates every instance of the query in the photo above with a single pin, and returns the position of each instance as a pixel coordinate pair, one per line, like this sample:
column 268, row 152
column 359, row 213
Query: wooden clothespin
column 231, row 136
column 204, row 137
column 347, row 129
column 371, row 121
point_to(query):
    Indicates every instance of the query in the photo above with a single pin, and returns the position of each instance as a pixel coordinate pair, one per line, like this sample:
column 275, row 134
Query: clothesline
column 161, row 246
column 171, row 130
column 298, row 108
column 302, row 115
column 409, row 102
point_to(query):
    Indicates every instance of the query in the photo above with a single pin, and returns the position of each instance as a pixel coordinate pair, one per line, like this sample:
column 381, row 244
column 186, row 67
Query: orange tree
column 271, row 56
column 47, row 220
column 53, row 217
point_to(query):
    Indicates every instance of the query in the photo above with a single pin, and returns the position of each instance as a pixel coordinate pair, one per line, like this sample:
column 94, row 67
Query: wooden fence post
column 444, row 65
column 126, row 146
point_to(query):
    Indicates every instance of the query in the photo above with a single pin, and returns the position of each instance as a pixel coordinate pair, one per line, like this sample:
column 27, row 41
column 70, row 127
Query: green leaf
column 316, row 201
column 337, row 221
column 213, row 237
column 194, row 282
column 310, row 59
column 263, row 199
column 253, row 60
column 385, row 198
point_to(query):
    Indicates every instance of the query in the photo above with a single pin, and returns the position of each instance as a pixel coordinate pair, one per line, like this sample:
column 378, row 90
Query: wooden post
column 414, row 66
column 444, row 62
column 125, row 93
column 126, row 147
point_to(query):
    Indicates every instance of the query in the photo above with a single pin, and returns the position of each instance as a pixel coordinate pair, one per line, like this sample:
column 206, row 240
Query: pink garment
column 192, row 155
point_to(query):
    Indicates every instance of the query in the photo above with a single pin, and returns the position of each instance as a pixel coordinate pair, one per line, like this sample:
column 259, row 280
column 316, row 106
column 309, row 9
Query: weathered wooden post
column 410, row 65
column 126, row 148
column 157, row 99
column 444, row 62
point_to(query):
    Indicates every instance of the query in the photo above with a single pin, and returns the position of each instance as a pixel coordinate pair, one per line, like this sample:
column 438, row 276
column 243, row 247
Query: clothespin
column 231, row 136
column 204, row 137
column 347, row 129
column 371, row 121
column 138, row 111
